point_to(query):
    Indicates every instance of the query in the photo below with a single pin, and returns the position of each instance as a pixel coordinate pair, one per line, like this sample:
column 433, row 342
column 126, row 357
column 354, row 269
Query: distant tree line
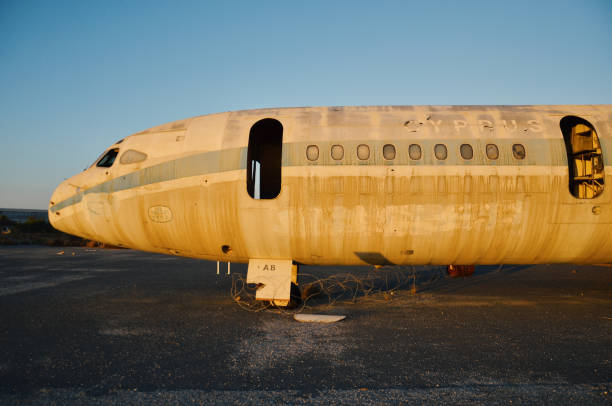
column 31, row 225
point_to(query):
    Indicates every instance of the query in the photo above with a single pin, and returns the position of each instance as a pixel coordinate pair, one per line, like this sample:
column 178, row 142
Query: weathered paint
column 455, row 211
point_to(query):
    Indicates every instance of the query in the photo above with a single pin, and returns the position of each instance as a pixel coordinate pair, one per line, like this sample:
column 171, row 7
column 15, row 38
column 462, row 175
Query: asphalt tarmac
column 126, row 327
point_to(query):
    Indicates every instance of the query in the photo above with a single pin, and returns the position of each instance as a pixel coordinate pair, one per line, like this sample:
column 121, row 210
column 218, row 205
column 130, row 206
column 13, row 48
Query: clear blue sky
column 75, row 76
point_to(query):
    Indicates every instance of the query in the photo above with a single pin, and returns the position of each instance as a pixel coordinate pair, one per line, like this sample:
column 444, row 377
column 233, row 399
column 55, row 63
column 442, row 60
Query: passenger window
column 467, row 152
column 108, row 159
column 363, row 152
column 492, row 151
column 337, row 152
column 389, row 152
column 312, row 152
column 132, row 156
column 518, row 150
column 440, row 152
column 414, row 151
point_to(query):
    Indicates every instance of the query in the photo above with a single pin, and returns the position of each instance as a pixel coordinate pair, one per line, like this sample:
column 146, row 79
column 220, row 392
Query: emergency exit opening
column 584, row 156
column 264, row 159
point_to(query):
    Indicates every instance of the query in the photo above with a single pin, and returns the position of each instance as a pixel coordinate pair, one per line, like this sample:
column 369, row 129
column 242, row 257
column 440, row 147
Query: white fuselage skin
column 189, row 196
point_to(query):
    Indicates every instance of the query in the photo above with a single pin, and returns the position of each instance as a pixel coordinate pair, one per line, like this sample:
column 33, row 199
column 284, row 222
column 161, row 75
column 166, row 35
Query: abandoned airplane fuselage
column 356, row 185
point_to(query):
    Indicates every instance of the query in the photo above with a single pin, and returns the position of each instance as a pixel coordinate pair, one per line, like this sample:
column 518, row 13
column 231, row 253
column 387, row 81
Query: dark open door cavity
column 264, row 159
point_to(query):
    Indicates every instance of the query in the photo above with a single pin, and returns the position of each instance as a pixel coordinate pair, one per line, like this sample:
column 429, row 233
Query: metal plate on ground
column 318, row 318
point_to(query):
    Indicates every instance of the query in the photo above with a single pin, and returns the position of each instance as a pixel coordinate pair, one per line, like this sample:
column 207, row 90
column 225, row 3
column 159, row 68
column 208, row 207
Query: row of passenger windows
column 415, row 152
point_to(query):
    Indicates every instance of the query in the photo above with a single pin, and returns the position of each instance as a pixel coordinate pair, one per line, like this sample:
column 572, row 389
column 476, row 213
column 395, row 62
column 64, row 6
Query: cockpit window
column 131, row 156
column 108, row 158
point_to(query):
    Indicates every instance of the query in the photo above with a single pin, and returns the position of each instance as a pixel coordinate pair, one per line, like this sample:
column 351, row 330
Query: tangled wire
column 382, row 283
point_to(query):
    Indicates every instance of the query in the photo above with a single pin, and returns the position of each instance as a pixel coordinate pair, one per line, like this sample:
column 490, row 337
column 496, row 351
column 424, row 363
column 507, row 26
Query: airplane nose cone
column 59, row 210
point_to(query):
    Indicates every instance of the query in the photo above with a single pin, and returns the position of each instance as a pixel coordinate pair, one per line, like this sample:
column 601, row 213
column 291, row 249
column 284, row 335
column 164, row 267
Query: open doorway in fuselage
column 264, row 159
column 584, row 156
